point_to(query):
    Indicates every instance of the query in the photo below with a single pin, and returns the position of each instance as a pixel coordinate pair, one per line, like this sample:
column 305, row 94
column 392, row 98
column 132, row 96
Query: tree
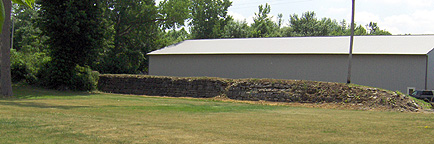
column 308, row 25
column 209, row 17
column 175, row 36
column 5, row 21
column 375, row 30
column 134, row 30
column 263, row 25
column 27, row 37
column 74, row 33
column 236, row 29
column 28, row 53
column 173, row 13
column 358, row 31
column 136, row 27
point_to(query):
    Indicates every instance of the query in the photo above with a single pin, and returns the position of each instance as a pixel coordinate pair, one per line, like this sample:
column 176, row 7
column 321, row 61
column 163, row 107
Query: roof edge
column 150, row 54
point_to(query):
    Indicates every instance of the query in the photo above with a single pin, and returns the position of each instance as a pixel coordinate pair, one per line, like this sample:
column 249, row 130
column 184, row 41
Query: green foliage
column 236, row 29
column 73, row 29
column 28, row 54
column 209, row 17
column 55, row 76
column 85, row 79
column 28, row 3
column 134, row 30
column 25, row 66
column 174, row 36
column 422, row 103
column 124, row 61
column 27, row 36
column 174, row 13
column 309, row 25
column 263, row 25
column 74, row 33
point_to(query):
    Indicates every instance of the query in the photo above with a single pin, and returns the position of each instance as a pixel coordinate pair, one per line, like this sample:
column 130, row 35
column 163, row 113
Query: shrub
column 85, row 79
column 25, row 66
column 59, row 78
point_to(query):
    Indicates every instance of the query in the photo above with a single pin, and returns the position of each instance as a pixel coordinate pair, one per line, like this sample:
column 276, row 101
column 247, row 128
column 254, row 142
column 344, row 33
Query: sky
column 396, row 16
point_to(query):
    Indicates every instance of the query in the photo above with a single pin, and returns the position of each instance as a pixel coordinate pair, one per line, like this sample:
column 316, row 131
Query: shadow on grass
column 39, row 105
column 28, row 92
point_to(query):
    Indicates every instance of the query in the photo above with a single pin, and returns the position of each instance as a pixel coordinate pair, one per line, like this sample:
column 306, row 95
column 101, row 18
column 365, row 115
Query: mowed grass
column 44, row 116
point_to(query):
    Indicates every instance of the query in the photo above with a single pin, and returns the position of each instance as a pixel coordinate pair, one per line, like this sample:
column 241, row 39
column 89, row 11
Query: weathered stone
column 268, row 90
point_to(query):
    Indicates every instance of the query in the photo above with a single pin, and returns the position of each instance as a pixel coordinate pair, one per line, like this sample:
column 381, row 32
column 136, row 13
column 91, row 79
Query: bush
column 25, row 66
column 60, row 78
column 85, row 79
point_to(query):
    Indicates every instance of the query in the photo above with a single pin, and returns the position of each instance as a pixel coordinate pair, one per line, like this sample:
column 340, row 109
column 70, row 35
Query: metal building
column 389, row 62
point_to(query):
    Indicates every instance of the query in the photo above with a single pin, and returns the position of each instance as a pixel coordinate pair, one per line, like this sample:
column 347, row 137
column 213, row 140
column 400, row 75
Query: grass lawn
column 43, row 116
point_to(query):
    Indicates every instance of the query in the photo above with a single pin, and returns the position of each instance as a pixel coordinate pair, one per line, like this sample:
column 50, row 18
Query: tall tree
column 134, row 32
column 209, row 18
column 308, row 25
column 263, row 25
column 74, row 33
column 173, row 13
column 5, row 23
column 136, row 27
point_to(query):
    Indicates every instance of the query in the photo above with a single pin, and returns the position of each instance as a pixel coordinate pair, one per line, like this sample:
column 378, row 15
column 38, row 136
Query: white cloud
column 240, row 17
column 236, row 16
column 337, row 10
column 418, row 22
column 411, row 3
column 366, row 17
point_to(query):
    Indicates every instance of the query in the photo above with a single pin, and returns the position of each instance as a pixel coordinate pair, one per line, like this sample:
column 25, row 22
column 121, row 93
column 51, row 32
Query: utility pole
column 350, row 57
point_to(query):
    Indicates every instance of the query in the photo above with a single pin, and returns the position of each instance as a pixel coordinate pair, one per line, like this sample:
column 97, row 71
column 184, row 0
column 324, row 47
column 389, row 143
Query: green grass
column 44, row 116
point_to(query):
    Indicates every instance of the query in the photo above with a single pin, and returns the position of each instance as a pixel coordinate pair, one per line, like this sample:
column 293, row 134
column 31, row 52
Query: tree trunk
column 6, row 83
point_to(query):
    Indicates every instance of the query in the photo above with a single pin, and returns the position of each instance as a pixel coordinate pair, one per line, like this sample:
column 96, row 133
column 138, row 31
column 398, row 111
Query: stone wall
column 162, row 86
column 300, row 91
column 257, row 90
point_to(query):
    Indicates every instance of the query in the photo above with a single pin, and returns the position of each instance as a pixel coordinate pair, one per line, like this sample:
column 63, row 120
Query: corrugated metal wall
column 393, row 72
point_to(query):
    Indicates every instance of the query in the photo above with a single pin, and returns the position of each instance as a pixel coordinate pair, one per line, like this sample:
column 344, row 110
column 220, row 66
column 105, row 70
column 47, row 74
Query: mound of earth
column 289, row 91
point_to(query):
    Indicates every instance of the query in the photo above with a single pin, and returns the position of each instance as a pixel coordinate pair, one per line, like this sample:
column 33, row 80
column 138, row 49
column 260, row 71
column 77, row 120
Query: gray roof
column 400, row 45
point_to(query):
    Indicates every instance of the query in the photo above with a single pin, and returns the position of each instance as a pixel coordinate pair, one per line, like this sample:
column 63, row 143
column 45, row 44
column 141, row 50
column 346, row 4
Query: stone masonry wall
column 257, row 90
column 161, row 86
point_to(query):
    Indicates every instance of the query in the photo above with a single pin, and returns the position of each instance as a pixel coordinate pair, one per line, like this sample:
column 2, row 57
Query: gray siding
column 393, row 72
column 430, row 70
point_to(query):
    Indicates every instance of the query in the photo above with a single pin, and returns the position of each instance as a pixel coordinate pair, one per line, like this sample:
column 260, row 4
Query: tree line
column 60, row 44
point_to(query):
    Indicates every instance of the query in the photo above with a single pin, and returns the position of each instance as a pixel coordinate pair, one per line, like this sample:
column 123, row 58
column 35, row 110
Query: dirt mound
column 357, row 97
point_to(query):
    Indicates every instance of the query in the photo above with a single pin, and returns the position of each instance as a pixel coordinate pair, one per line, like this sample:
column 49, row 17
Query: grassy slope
column 42, row 116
